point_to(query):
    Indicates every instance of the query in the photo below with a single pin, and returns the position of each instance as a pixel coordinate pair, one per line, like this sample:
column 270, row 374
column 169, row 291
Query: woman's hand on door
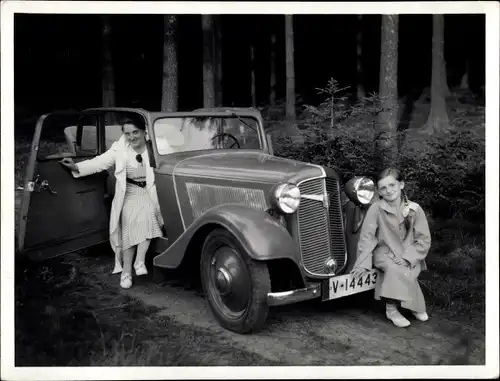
column 69, row 163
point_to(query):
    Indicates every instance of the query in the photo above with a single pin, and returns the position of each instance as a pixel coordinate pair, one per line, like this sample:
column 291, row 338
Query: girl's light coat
column 384, row 241
column 117, row 155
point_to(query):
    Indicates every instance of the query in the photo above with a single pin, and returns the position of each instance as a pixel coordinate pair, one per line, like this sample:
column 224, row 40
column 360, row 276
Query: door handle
column 37, row 186
column 46, row 186
column 34, row 186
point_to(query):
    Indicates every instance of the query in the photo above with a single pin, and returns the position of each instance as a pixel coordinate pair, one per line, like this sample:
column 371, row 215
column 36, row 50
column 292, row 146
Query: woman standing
column 395, row 238
column 135, row 213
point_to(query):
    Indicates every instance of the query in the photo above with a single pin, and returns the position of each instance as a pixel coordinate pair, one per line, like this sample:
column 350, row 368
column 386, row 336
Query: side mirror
column 149, row 147
column 269, row 140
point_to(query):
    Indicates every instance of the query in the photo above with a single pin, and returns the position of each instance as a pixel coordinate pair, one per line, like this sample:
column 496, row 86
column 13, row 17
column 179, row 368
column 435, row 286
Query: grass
column 68, row 318
column 455, row 282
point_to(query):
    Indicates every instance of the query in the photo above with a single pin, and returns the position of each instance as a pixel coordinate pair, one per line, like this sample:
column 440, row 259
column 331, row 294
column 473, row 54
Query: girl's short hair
column 396, row 173
column 136, row 121
column 391, row 171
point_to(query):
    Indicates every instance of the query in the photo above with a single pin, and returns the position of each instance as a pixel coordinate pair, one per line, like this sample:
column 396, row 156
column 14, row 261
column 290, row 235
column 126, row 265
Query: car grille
column 203, row 197
column 321, row 230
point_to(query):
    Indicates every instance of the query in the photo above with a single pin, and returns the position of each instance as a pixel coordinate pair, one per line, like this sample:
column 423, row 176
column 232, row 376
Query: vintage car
column 261, row 230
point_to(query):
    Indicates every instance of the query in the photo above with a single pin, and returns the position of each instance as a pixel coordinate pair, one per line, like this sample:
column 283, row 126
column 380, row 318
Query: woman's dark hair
column 136, row 121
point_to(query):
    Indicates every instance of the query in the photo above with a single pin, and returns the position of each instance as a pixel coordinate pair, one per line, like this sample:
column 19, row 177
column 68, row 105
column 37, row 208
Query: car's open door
column 61, row 214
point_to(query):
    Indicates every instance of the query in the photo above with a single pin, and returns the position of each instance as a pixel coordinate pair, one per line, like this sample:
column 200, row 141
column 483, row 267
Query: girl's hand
column 69, row 163
column 401, row 262
column 358, row 272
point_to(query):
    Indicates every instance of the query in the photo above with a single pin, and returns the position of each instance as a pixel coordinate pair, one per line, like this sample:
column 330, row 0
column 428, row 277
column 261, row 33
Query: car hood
column 247, row 166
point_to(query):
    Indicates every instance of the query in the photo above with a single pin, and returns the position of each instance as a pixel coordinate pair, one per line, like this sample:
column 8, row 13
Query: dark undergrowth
column 66, row 318
column 455, row 281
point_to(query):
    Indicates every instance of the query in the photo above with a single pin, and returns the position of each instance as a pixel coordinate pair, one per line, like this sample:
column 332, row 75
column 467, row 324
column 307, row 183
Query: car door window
column 60, row 137
column 89, row 139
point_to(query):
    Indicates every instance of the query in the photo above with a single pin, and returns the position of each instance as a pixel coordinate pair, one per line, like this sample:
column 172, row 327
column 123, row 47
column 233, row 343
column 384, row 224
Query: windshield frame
column 255, row 115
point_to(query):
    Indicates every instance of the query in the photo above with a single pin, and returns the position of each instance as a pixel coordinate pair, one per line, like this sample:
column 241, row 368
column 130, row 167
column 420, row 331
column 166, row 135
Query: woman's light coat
column 117, row 155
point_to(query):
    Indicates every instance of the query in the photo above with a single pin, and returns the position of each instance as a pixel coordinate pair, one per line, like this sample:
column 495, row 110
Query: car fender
column 262, row 236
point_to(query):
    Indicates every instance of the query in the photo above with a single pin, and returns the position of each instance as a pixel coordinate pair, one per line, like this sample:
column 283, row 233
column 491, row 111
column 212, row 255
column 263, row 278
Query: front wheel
column 236, row 286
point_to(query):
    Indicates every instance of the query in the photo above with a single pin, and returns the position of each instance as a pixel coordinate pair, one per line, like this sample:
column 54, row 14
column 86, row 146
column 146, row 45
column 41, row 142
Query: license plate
column 345, row 285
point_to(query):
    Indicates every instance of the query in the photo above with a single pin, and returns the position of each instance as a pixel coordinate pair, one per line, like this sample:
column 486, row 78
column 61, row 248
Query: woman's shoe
column 397, row 319
column 422, row 316
column 126, row 280
column 140, row 269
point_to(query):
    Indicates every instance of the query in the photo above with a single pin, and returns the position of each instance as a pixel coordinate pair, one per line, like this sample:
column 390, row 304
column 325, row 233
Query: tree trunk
column 108, row 75
column 388, row 89
column 290, row 74
column 218, row 60
column 208, row 61
column 252, row 68
column 359, row 62
column 438, row 116
column 169, row 95
column 464, row 83
column 272, row 84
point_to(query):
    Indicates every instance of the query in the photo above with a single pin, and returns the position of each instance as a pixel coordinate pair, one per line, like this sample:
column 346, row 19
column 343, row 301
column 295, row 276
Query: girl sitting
column 395, row 238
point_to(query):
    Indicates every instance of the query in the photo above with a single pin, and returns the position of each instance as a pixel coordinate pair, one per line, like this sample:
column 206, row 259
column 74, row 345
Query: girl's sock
column 389, row 307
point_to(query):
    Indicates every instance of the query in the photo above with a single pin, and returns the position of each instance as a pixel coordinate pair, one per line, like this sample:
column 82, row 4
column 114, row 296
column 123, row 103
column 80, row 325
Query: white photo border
column 10, row 372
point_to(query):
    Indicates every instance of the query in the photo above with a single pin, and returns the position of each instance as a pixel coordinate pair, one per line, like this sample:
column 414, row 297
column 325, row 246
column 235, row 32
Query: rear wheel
column 236, row 286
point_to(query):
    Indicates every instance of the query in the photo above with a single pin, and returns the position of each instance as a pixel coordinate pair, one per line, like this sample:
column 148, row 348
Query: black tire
column 240, row 303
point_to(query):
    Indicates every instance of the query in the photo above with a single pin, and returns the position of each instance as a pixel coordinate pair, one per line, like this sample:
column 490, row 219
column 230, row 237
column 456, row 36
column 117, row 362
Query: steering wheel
column 229, row 136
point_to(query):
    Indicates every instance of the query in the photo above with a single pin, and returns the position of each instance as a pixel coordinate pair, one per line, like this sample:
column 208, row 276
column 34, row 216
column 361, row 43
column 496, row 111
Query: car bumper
column 294, row 296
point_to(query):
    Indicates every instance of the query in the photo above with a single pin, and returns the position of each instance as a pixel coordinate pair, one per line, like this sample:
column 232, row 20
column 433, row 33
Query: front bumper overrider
column 294, row 296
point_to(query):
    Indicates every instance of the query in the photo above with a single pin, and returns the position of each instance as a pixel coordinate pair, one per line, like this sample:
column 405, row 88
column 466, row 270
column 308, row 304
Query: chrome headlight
column 360, row 190
column 286, row 198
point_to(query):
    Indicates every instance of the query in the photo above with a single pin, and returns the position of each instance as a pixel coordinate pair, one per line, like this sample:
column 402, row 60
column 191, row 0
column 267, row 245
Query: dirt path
column 351, row 331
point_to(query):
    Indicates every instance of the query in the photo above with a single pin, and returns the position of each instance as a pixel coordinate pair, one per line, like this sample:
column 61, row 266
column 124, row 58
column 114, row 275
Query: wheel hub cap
column 230, row 281
column 223, row 281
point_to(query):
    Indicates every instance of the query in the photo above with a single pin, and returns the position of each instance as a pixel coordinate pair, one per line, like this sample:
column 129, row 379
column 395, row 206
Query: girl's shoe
column 397, row 319
column 126, row 280
column 422, row 316
column 140, row 269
